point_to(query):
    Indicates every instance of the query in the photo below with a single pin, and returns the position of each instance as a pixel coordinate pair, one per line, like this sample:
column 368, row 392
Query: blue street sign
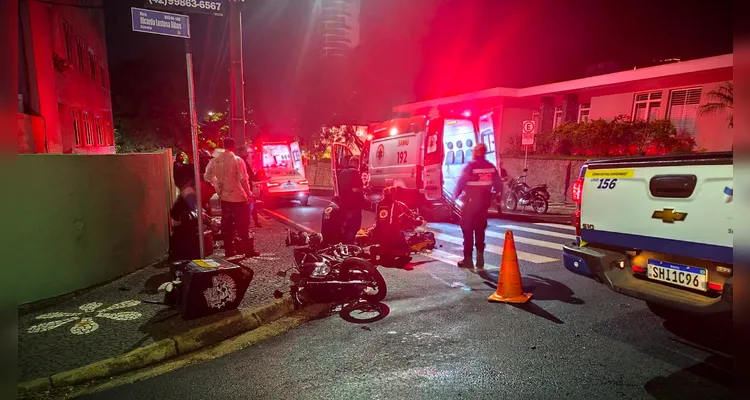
column 160, row 23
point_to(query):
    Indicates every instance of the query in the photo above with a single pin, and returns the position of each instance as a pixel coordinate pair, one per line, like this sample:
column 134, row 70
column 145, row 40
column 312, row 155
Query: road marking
column 443, row 256
column 560, row 226
column 537, row 231
column 518, row 239
column 521, row 239
column 522, row 255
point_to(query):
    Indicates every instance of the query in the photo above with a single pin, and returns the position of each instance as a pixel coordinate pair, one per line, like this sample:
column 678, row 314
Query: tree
column 720, row 99
column 150, row 107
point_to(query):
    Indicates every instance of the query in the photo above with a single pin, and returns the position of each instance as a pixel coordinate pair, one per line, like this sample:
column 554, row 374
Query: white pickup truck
column 658, row 229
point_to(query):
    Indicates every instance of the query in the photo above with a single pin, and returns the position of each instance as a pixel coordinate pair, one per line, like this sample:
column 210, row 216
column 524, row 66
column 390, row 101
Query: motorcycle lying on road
column 332, row 274
column 520, row 193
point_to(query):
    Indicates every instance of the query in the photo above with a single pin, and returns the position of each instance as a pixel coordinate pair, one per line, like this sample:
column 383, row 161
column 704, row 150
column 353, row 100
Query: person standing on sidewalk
column 244, row 153
column 352, row 199
column 477, row 180
column 228, row 174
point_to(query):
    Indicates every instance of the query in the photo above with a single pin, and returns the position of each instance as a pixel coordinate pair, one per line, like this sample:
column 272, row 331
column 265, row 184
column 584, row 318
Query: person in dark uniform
column 352, row 199
column 244, row 153
column 332, row 225
column 391, row 219
column 477, row 180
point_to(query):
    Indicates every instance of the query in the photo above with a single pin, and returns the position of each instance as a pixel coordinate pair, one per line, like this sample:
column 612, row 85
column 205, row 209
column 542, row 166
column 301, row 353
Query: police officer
column 331, row 227
column 352, row 199
column 477, row 180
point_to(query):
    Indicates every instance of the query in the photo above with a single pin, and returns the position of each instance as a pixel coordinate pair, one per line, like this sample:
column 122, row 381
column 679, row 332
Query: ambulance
column 422, row 155
column 279, row 172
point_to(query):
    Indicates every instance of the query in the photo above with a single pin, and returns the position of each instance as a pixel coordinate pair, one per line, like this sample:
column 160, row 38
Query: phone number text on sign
column 213, row 7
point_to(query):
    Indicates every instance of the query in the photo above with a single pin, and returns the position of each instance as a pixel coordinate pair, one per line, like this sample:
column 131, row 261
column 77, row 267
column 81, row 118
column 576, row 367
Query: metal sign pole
column 194, row 139
column 526, row 160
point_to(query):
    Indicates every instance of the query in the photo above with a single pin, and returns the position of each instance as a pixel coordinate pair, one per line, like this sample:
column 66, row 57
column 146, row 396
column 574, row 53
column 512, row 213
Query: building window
column 88, row 129
column 77, row 128
column 683, row 109
column 647, row 106
column 99, row 132
column 583, row 112
column 558, row 120
column 68, row 34
column 81, row 55
column 103, row 76
column 93, row 64
column 109, row 135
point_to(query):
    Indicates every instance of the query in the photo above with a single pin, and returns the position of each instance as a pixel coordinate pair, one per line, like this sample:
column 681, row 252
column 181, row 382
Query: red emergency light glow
column 303, row 182
column 466, row 113
column 369, row 137
column 577, row 191
column 394, row 131
column 638, row 268
column 272, row 184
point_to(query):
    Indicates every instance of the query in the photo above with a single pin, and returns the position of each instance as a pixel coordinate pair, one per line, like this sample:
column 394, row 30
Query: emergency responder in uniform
column 352, row 199
column 332, row 227
column 477, row 180
column 392, row 218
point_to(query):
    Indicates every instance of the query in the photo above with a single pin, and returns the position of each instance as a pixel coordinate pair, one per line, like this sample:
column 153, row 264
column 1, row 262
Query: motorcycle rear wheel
column 540, row 204
column 356, row 269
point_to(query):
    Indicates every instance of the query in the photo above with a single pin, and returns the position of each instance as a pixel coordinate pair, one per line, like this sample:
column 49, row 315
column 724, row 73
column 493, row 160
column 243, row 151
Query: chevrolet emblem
column 669, row 215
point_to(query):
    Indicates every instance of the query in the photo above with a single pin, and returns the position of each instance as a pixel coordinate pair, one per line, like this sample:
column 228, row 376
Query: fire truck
column 422, row 155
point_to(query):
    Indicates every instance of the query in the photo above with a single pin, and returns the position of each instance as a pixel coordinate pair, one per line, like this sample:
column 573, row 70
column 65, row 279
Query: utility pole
column 237, row 85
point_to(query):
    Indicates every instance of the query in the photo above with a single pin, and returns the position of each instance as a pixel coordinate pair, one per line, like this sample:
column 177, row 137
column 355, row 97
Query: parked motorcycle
column 332, row 274
column 520, row 193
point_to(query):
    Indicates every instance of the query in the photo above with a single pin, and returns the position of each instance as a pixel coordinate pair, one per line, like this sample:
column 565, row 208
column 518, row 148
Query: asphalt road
column 442, row 339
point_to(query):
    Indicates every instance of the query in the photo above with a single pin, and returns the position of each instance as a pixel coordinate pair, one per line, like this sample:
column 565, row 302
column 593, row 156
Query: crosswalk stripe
column 518, row 239
column 537, row 231
column 560, row 226
column 522, row 255
column 521, row 239
column 451, row 259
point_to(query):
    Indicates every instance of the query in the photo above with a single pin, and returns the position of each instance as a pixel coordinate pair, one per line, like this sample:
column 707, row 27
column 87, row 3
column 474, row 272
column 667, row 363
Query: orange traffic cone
column 509, row 287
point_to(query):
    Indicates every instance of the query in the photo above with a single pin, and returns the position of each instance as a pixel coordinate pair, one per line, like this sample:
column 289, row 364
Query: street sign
column 160, row 23
column 529, row 126
column 528, row 131
column 210, row 7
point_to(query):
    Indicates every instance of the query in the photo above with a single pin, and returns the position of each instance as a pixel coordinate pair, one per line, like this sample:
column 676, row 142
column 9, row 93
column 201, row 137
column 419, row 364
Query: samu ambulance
column 280, row 172
column 422, row 155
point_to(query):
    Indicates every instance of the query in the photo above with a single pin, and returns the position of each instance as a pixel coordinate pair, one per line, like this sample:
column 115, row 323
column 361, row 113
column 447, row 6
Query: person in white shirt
column 228, row 174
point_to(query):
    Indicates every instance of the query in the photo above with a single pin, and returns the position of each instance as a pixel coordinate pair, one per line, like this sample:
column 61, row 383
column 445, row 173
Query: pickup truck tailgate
column 680, row 208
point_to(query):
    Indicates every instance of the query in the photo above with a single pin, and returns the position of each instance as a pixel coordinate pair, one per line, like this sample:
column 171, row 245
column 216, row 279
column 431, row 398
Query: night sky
column 418, row 49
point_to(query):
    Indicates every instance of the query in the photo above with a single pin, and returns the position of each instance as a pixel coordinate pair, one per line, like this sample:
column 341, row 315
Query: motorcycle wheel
column 540, row 204
column 511, row 202
column 357, row 268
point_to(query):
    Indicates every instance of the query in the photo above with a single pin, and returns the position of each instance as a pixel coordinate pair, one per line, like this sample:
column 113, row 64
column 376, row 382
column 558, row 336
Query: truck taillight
column 577, row 191
column 272, row 184
column 577, row 222
column 303, row 182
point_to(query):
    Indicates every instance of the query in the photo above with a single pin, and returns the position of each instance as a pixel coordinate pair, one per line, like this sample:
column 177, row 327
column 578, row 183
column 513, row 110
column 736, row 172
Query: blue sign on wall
column 160, row 23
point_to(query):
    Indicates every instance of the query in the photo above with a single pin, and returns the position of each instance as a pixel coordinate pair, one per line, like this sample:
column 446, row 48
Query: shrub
column 602, row 138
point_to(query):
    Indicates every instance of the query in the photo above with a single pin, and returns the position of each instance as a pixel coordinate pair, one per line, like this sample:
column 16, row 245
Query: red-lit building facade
column 64, row 103
column 672, row 91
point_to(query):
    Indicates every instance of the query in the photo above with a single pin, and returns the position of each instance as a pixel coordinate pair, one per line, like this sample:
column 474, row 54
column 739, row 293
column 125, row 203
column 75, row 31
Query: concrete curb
column 165, row 349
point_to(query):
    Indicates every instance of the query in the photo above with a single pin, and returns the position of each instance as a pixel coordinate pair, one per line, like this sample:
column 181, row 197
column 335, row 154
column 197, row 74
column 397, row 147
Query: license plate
column 287, row 185
column 676, row 274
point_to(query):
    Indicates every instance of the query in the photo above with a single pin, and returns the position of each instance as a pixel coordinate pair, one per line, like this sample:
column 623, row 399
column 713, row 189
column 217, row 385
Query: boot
column 480, row 259
column 467, row 262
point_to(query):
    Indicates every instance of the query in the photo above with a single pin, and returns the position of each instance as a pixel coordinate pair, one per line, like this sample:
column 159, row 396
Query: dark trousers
column 235, row 226
column 473, row 225
column 352, row 224
column 254, row 211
